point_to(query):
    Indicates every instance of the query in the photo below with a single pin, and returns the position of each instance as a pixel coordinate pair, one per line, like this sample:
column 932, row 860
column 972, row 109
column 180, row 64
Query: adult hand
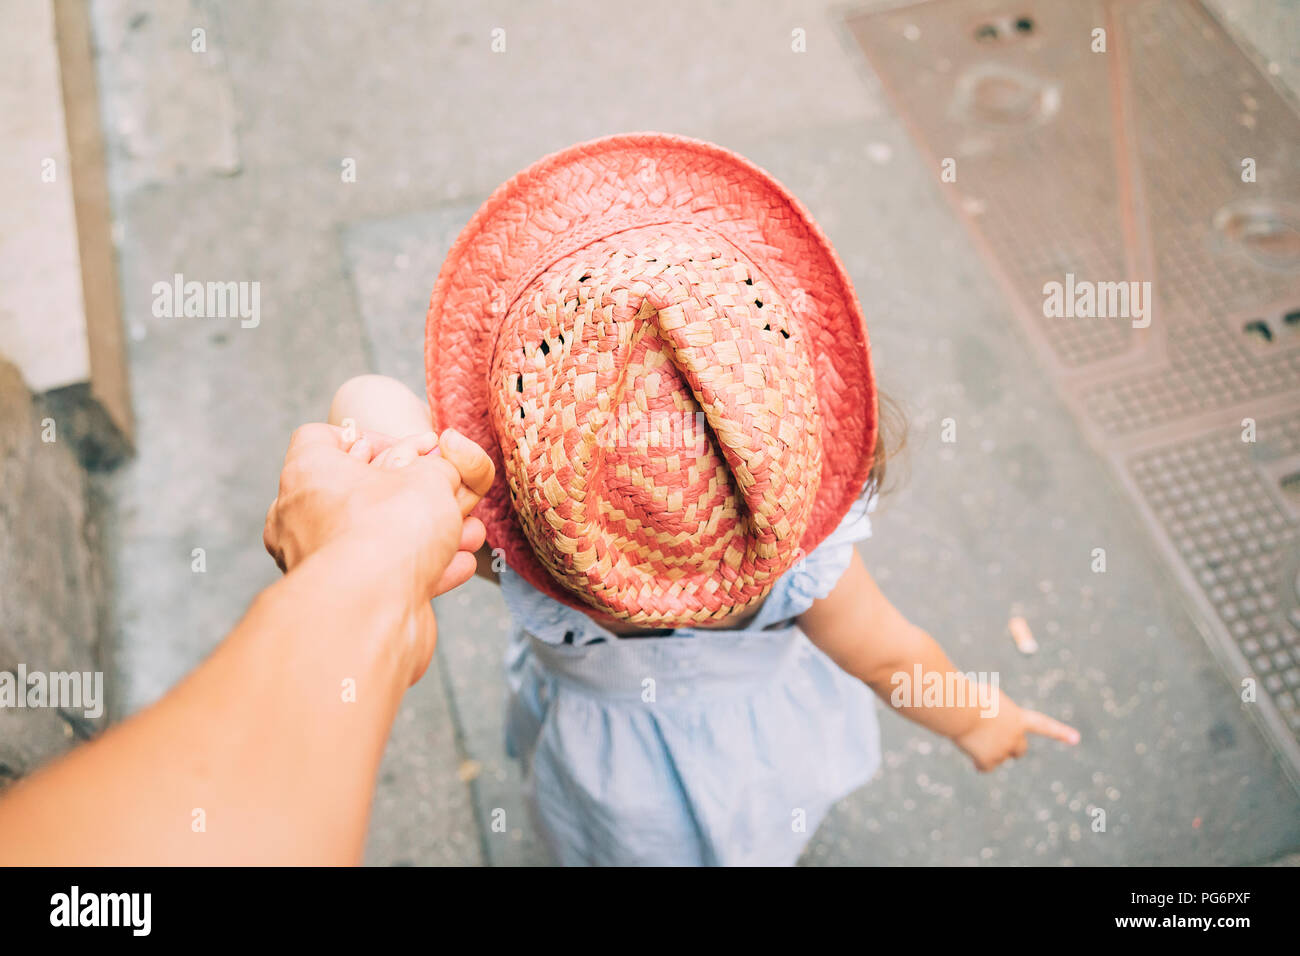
column 409, row 498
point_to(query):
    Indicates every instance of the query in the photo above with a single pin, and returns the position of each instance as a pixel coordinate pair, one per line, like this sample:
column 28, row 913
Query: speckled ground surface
column 227, row 164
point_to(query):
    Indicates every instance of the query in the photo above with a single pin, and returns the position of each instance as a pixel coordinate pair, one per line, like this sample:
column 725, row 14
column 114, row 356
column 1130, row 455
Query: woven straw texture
column 668, row 365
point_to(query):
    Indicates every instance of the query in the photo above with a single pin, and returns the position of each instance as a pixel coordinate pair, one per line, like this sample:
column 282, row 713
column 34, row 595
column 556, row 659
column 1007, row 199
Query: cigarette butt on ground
column 1022, row 635
column 469, row 770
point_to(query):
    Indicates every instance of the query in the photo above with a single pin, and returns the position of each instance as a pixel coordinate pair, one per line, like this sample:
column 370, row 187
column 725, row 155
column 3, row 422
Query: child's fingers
column 1045, row 726
column 407, row 450
column 379, row 441
column 423, row 443
column 362, row 450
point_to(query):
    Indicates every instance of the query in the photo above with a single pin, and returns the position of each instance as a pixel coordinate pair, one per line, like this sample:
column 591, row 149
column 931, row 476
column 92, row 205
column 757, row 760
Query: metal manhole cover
column 1100, row 145
column 1228, row 510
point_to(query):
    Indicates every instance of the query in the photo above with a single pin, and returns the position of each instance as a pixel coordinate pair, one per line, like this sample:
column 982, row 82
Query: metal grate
column 1223, row 504
column 1127, row 165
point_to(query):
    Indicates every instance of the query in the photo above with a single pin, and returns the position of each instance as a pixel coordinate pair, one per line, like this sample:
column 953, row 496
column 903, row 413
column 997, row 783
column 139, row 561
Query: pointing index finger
column 1044, row 726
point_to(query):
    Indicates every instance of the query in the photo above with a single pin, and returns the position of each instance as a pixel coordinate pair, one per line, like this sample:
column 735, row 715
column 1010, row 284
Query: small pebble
column 880, row 153
column 1022, row 635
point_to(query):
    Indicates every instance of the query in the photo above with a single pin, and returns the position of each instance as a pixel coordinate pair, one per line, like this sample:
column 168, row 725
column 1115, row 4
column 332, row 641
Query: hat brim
column 647, row 178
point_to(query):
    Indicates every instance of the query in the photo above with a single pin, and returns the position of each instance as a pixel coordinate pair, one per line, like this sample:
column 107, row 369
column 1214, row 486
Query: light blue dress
column 706, row 747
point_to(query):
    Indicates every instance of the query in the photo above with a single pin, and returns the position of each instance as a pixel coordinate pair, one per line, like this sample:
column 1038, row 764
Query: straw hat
column 667, row 363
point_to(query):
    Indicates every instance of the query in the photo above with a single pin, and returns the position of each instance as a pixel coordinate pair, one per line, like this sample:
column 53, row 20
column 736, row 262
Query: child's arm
column 867, row 637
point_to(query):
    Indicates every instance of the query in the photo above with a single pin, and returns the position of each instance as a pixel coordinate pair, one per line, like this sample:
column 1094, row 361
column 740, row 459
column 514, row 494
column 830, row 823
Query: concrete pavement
column 230, row 164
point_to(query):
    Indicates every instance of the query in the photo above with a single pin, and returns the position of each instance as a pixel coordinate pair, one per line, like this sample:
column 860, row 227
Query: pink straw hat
column 667, row 363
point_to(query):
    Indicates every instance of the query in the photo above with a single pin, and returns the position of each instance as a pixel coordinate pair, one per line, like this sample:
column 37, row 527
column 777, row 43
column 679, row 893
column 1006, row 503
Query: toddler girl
column 668, row 365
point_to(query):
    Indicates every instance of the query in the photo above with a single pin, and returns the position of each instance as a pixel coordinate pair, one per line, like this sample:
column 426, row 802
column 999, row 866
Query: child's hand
column 994, row 739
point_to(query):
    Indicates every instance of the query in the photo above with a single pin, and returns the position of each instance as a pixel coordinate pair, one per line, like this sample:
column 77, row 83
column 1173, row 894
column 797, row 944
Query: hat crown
column 655, row 407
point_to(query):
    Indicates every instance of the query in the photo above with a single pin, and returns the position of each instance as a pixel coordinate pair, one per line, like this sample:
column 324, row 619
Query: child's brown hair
column 891, row 439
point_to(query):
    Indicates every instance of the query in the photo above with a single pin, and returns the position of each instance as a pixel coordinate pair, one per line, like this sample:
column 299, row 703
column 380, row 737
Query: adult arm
column 267, row 753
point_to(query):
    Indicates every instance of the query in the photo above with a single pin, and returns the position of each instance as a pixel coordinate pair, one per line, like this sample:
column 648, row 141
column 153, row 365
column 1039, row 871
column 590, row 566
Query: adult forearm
column 266, row 753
